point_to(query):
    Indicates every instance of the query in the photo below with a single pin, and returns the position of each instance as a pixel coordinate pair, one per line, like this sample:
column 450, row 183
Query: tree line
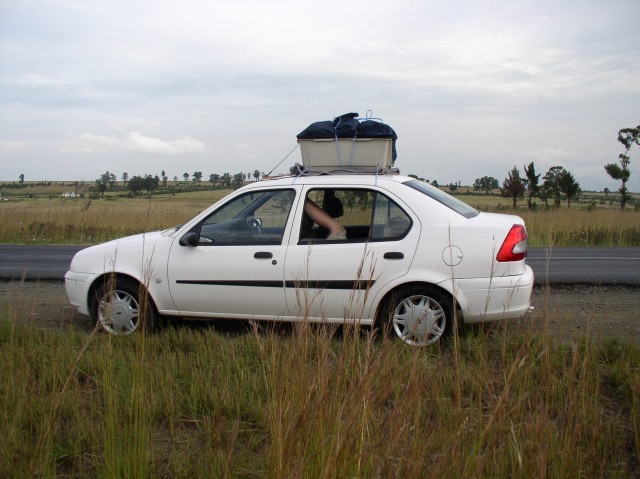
column 558, row 181
column 150, row 183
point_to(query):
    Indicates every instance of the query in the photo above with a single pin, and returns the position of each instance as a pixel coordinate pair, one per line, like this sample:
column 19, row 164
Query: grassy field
column 45, row 217
column 314, row 402
column 308, row 401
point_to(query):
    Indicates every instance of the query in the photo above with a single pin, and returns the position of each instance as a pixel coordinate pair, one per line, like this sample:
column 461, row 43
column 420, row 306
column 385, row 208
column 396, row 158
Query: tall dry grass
column 86, row 221
column 55, row 221
column 582, row 227
column 314, row 401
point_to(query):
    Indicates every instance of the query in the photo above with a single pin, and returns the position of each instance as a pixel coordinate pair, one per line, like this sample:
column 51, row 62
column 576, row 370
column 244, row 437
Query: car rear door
column 334, row 280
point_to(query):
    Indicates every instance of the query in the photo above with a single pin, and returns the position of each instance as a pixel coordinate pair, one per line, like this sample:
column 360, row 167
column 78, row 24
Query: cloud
column 471, row 88
column 136, row 142
column 10, row 145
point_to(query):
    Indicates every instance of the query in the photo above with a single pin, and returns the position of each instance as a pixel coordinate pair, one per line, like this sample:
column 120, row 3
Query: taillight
column 514, row 247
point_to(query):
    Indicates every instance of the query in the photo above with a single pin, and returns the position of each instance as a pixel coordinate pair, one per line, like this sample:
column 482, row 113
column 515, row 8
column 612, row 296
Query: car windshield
column 441, row 197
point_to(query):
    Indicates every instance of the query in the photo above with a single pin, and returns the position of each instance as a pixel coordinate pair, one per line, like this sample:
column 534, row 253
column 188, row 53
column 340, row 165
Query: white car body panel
column 334, row 281
column 296, row 280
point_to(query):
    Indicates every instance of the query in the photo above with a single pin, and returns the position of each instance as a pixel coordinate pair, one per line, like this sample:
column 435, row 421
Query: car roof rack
column 299, row 170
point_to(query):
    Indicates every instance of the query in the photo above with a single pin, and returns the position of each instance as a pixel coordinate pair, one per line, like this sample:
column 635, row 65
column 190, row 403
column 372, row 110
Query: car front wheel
column 120, row 309
column 419, row 315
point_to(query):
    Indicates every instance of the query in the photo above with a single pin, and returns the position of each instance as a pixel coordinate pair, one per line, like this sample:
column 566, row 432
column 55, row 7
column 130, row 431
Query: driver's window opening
column 364, row 215
column 253, row 218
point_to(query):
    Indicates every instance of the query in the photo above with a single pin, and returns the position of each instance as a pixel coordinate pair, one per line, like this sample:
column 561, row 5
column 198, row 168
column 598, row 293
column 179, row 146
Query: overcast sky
column 471, row 88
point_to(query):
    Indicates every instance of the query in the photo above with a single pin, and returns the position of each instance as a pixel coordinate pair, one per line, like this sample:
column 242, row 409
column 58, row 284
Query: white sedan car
column 414, row 259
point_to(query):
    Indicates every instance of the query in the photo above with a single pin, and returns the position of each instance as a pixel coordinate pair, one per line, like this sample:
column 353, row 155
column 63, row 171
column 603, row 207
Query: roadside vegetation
column 314, row 401
column 43, row 216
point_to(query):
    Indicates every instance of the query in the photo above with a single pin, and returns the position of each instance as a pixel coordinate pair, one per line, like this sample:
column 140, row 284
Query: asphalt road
column 598, row 266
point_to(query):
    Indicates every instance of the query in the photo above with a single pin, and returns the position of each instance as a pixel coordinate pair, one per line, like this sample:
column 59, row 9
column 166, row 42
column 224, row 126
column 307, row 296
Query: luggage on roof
column 348, row 142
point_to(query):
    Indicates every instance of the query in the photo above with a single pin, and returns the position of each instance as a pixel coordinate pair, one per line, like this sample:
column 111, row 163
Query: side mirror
column 190, row 239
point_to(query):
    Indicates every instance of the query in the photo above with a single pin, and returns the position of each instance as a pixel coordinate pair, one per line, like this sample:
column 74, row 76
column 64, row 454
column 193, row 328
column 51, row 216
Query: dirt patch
column 568, row 312
column 43, row 303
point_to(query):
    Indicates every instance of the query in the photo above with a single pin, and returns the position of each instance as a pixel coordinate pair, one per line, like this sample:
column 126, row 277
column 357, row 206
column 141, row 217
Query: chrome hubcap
column 419, row 320
column 118, row 313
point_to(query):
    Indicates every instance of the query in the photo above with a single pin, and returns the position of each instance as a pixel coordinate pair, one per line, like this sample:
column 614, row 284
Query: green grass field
column 314, row 401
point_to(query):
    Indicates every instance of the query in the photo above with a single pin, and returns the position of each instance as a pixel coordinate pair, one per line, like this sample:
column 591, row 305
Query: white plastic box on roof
column 345, row 153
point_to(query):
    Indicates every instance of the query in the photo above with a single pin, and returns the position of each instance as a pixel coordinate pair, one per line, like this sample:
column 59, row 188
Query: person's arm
column 321, row 218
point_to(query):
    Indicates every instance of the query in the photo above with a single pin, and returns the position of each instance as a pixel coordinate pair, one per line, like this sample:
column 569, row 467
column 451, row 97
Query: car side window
column 364, row 214
column 252, row 218
column 390, row 222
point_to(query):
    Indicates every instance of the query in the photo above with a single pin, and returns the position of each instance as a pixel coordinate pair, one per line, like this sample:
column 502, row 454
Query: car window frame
column 242, row 215
column 372, row 215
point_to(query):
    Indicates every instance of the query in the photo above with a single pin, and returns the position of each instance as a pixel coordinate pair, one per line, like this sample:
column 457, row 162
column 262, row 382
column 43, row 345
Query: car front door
column 231, row 263
column 336, row 280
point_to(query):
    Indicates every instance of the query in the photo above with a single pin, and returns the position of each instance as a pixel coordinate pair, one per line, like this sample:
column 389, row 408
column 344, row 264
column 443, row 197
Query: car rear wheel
column 120, row 308
column 419, row 315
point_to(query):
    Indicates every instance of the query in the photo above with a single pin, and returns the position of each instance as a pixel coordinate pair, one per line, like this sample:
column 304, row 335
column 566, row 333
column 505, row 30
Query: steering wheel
column 255, row 226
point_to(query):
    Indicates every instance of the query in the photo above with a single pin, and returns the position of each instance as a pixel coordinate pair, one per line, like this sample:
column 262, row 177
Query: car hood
column 103, row 256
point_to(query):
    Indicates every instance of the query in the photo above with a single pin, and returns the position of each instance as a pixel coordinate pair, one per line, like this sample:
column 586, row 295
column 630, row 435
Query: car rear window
column 441, row 197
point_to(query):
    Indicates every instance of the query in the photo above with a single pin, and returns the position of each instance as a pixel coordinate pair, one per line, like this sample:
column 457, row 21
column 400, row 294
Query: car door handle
column 394, row 255
column 263, row 255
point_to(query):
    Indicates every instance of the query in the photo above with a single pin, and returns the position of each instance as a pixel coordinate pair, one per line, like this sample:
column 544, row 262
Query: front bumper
column 77, row 286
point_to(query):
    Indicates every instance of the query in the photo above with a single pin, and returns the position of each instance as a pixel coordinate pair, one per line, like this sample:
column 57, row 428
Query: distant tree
column 237, row 181
column 628, row 137
column 164, row 179
column 101, row 186
column 569, row 186
column 197, row 176
column 452, row 187
column 551, row 185
column 531, row 183
column 106, row 180
column 513, row 187
column 606, row 193
column 256, row 174
column 225, row 180
column 185, row 176
column 136, row 184
column 21, row 178
column 125, row 178
column 486, row 184
column 435, row 183
column 152, row 183
column 175, row 179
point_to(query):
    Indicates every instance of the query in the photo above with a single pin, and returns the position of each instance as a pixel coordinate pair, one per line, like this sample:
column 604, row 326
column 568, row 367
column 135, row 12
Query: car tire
column 418, row 315
column 120, row 308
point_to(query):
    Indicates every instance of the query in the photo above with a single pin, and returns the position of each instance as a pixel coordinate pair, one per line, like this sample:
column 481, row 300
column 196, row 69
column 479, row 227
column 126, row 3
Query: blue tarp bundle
column 349, row 125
